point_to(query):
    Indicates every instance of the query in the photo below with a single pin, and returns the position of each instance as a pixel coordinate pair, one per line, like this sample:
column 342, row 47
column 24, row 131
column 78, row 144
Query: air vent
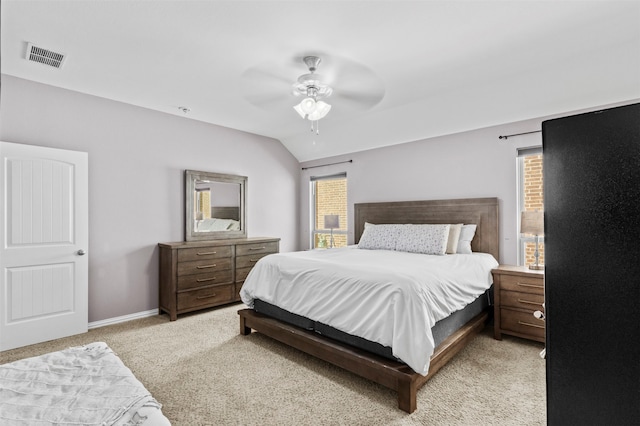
column 45, row 56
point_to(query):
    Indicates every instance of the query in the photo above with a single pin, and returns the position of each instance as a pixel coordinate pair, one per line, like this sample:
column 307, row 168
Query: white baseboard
column 123, row 318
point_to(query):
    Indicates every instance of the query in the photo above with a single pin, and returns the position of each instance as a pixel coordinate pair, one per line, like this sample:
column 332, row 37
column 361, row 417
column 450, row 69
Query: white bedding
column 215, row 224
column 389, row 297
column 84, row 385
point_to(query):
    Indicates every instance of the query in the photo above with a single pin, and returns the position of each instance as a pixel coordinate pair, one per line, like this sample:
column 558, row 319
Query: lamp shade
column 299, row 110
column 322, row 109
column 308, row 105
column 331, row 221
column 532, row 223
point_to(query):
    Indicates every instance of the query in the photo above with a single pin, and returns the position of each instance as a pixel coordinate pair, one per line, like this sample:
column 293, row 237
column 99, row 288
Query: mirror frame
column 191, row 176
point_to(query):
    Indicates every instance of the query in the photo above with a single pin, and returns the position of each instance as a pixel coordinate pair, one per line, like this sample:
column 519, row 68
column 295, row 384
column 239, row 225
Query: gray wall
column 463, row 165
column 137, row 158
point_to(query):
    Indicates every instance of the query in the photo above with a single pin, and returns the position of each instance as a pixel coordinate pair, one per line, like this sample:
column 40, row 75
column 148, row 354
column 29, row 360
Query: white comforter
column 389, row 297
column 85, row 385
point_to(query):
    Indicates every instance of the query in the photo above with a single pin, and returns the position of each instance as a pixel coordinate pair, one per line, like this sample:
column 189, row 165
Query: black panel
column 282, row 315
column 592, row 273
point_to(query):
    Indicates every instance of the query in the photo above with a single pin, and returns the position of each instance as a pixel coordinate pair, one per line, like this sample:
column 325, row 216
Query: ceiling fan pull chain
column 317, row 127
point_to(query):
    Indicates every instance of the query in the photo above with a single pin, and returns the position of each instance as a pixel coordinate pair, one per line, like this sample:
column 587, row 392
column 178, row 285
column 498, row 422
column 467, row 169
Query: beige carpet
column 205, row 373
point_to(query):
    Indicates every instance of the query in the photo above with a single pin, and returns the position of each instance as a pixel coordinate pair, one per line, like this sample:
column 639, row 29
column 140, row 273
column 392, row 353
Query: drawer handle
column 529, row 285
column 201, row 280
column 206, row 297
column 206, row 266
column 257, row 248
column 205, row 253
column 530, row 325
column 528, row 301
column 253, row 260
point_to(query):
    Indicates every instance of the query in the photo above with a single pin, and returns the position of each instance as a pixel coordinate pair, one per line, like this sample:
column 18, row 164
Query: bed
column 400, row 343
column 222, row 219
column 86, row 385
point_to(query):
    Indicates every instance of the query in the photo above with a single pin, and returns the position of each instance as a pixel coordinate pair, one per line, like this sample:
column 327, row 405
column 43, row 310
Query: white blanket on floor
column 84, row 385
column 389, row 297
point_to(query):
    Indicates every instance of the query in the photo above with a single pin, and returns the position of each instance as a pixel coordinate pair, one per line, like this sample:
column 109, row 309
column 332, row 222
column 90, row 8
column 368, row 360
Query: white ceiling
column 443, row 66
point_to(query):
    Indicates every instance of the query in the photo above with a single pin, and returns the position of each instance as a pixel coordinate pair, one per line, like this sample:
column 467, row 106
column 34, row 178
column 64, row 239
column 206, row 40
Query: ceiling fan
column 350, row 85
column 313, row 89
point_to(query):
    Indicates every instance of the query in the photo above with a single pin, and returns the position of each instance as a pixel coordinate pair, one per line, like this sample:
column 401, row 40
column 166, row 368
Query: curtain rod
column 518, row 134
column 330, row 164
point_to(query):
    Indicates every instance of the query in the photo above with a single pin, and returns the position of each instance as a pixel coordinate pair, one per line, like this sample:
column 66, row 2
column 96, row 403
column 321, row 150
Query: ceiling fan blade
column 263, row 100
column 266, row 88
column 357, row 100
column 354, row 85
column 265, row 76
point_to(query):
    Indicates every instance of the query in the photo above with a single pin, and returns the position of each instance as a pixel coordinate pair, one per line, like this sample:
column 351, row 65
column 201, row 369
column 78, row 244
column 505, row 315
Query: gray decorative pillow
column 427, row 239
column 379, row 237
column 466, row 235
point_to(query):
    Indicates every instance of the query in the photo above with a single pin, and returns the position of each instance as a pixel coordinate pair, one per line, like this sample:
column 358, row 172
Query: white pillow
column 454, row 236
column 466, row 235
column 379, row 237
column 427, row 239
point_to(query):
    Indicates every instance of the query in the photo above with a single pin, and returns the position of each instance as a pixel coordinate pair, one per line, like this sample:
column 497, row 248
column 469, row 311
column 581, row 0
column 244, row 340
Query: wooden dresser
column 518, row 292
column 201, row 274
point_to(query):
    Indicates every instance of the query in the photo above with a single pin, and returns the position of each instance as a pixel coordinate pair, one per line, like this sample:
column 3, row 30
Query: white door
column 44, row 235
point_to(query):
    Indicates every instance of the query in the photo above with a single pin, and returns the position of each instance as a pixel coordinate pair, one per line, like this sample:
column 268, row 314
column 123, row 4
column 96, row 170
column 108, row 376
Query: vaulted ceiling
column 401, row 70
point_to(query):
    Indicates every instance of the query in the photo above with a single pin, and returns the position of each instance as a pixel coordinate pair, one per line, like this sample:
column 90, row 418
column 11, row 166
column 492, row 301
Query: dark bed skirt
column 441, row 330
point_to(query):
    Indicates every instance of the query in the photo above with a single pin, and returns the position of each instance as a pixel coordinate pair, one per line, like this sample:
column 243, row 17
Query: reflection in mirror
column 215, row 206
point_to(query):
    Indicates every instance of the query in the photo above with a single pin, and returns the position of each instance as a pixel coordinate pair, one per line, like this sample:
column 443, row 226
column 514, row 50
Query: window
column 530, row 198
column 328, row 198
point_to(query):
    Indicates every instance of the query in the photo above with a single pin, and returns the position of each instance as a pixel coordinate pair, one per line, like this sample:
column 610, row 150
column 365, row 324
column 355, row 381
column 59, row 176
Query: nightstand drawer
column 528, row 301
column 522, row 284
column 205, row 296
column 522, row 323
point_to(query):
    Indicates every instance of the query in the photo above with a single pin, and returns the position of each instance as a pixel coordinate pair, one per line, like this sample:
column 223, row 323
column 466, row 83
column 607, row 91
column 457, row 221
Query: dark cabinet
column 592, row 272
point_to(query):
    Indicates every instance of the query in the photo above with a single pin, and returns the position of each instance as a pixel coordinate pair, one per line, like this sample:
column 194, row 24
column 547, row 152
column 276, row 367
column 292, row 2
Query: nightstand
column 518, row 292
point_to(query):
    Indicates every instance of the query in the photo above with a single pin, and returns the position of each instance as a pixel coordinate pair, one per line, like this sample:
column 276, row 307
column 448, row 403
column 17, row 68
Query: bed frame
column 392, row 374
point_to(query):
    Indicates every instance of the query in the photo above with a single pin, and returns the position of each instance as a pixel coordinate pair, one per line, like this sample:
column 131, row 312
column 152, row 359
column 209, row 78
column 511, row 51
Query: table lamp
column 532, row 222
column 331, row 221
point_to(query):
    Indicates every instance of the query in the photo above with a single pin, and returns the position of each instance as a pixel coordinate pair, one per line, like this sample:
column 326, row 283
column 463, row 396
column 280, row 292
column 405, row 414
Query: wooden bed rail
column 391, row 374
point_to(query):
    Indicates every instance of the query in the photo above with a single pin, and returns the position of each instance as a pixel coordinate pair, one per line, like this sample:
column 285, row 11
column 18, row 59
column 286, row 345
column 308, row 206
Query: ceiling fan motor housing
column 310, row 85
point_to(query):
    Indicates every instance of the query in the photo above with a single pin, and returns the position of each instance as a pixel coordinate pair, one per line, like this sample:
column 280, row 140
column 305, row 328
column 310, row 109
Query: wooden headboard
column 480, row 211
column 226, row 212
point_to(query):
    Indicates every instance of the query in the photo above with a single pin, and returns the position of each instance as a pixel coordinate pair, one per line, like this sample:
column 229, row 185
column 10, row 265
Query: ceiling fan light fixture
column 299, row 110
column 313, row 89
column 308, row 105
column 322, row 109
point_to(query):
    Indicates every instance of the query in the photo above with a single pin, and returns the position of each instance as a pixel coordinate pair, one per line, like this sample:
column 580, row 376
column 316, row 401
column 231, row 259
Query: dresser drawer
column 257, row 248
column 205, row 296
column 248, row 261
column 203, row 266
column 521, row 323
column 515, row 299
column 186, row 282
column 522, row 284
column 201, row 253
column 241, row 273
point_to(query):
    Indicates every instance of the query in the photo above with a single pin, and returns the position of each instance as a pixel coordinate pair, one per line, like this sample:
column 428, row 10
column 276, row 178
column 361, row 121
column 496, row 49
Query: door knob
column 81, row 252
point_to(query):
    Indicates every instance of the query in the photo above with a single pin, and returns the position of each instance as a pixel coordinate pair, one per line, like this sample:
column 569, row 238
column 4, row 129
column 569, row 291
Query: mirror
column 215, row 206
